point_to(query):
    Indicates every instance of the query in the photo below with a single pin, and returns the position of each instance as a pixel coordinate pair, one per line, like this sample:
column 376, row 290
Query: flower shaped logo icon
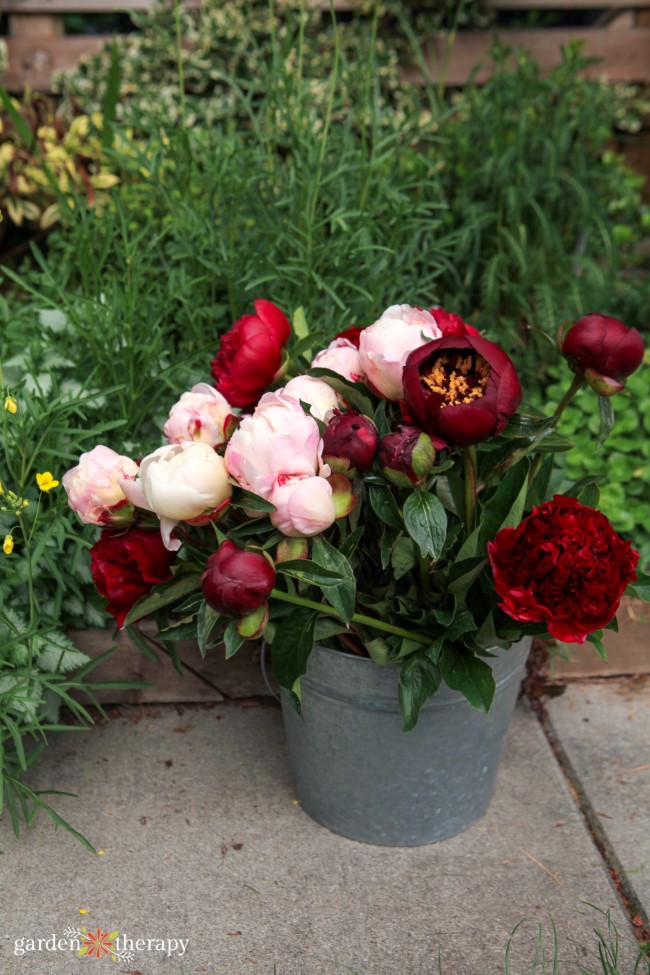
column 98, row 943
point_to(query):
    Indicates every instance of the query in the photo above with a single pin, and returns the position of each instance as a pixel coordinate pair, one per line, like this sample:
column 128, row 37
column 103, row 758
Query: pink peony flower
column 341, row 356
column 384, row 346
column 277, row 439
column 203, row 415
column 304, row 505
column 320, row 397
column 182, row 482
column 94, row 487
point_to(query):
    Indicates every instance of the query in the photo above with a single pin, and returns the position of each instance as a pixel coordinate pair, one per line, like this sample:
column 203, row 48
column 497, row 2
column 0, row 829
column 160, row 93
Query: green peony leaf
column 384, row 505
column 342, row 595
column 293, row 641
column 426, row 522
column 419, row 678
column 469, row 675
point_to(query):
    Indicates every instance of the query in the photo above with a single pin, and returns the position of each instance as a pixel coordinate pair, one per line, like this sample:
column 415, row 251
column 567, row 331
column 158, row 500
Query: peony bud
column 291, row 548
column 350, row 443
column 343, row 497
column 303, row 505
column 604, row 350
column 252, row 625
column 603, row 385
column 406, row 456
column 236, row 582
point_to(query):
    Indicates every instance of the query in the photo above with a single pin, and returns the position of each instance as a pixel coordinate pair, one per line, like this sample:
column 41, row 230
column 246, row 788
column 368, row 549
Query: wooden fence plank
column 81, row 6
column 107, row 6
column 567, row 4
column 27, row 25
column 625, row 53
column 32, row 61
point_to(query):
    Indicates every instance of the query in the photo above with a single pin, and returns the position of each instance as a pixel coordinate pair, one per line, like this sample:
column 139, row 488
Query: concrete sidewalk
column 205, row 844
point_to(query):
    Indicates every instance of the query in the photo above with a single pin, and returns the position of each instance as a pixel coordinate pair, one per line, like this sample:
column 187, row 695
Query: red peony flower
column 126, row 566
column 351, row 334
column 604, row 349
column 236, row 582
column 461, row 389
column 250, row 354
column 564, row 566
column 450, row 324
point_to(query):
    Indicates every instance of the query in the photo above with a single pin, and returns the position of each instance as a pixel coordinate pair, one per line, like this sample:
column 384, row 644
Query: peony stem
column 356, row 617
column 577, row 383
column 469, row 458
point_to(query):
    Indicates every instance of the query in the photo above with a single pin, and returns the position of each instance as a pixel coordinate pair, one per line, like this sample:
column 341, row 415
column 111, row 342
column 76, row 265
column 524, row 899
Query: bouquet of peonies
column 388, row 497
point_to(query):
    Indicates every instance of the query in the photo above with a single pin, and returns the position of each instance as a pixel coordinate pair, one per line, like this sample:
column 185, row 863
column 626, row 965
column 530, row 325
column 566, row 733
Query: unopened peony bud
column 406, row 456
column 343, row 497
column 603, row 385
column 350, row 443
column 236, row 582
column 291, row 548
column 252, row 625
column 604, row 350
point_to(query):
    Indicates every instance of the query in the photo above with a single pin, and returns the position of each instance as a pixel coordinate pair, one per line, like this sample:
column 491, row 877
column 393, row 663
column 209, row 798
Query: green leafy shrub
column 227, row 47
column 45, row 158
column 547, row 217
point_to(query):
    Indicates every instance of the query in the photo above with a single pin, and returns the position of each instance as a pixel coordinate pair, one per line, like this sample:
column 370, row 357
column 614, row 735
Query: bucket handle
column 265, row 675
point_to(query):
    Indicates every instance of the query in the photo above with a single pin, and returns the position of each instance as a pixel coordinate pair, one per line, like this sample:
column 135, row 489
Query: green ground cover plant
column 40, row 668
column 623, row 462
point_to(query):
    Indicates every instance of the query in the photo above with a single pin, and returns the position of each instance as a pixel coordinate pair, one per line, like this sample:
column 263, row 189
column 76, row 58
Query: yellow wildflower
column 8, row 545
column 46, row 482
column 10, row 404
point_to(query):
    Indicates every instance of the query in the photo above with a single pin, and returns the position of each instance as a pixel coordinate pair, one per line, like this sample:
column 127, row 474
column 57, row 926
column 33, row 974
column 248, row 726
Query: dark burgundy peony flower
column 406, row 455
column 126, row 566
column 450, row 324
column 250, row 354
column 461, row 389
column 604, row 350
column 350, row 443
column 564, row 566
column 236, row 582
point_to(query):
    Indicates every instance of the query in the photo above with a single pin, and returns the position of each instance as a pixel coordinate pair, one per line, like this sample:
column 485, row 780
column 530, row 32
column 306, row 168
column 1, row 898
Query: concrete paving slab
column 604, row 731
column 204, row 842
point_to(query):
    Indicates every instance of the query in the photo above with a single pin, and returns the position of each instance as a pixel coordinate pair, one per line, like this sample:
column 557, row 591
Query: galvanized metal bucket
column 357, row 773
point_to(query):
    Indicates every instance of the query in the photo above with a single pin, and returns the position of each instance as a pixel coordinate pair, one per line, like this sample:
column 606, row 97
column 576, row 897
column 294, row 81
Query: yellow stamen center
column 458, row 379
